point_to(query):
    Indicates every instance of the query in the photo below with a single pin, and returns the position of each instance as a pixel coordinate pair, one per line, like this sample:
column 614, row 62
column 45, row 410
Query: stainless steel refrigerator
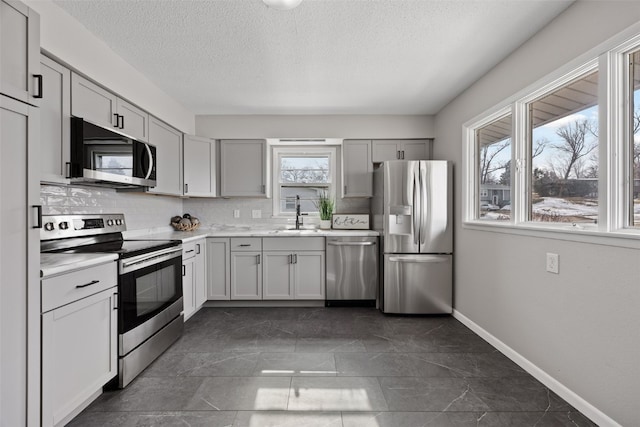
column 412, row 210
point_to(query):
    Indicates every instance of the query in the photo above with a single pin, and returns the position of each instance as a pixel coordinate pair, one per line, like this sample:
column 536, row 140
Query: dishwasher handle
column 351, row 243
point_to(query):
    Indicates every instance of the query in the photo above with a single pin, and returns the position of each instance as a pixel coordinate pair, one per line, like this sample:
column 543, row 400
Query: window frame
column 611, row 60
column 301, row 151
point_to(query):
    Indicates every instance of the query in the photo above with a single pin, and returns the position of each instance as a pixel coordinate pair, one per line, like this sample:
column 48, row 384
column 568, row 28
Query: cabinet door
column 277, row 275
column 168, row 143
column 246, row 275
column 309, row 275
column 243, row 168
column 200, row 274
column 188, row 295
column 20, row 52
column 415, row 150
column 199, row 167
column 384, row 149
column 19, row 264
column 357, row 169
column 133, row 121
column 92, row 102
column 218, row 269
column 55, row 112
column 79, row 353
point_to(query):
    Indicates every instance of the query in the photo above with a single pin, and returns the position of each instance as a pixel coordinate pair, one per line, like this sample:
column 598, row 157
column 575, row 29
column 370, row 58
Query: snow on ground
column 562, row 207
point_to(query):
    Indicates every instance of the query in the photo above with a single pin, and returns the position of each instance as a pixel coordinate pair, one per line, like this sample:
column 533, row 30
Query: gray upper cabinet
column 243, row 168
column 97, row 105
column 55, row 111
column 399, row 149
column 168, row 143
column 357, row 168
column 20, row 45
column 199, row 155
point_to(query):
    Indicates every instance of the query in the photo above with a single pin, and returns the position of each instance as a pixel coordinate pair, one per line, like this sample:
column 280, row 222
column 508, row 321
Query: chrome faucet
column 298, row 214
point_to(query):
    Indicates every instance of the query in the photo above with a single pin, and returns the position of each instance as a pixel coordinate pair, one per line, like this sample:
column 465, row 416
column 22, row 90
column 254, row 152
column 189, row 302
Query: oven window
column 155, row 289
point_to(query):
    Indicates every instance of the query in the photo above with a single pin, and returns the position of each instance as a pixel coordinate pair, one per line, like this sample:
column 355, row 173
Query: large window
column 563, row 153
column 634, row 140
column 301, row 175
column 494, row 170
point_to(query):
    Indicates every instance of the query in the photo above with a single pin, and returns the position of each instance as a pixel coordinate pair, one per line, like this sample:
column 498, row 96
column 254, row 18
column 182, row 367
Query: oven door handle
column 156, row 257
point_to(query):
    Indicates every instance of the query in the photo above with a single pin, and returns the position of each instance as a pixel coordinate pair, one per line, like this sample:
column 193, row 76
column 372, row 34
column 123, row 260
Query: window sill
column 623, row 239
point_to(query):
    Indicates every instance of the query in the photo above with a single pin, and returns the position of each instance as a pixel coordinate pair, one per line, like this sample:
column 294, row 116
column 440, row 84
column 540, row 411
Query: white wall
column 581, row 327
column 319, row 126
column 64, row 37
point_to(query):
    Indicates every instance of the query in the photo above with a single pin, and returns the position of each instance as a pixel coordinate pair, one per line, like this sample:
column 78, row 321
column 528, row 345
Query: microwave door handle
column 150, row 161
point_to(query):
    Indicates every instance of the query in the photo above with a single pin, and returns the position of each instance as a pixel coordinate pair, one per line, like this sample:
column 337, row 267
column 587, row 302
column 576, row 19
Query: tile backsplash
column 145, row 211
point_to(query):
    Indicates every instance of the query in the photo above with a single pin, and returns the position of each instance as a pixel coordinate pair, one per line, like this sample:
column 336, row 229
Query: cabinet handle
column 184, row 271
column 197, row 248
column 39, row 79
column 295, row 258
column 93, row 282
column 122, row 122
column 258, row 257
column 402, row 155
column 38, row 216
column 345, row 189
column 245, row 245
column 186, row 188
column 290, row 259
column 263, row 188
column 117, row 120
column 67, row 170
column 398, row 155
column 115, row 301
column 189, row 251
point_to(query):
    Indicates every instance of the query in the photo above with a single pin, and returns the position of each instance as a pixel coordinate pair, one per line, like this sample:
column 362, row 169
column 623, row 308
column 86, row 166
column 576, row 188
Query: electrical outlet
column 256, row 213
column 553, row 263
column 236, row 213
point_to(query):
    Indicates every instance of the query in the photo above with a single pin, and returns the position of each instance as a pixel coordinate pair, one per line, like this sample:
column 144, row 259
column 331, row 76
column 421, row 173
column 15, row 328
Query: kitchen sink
column 294, row 231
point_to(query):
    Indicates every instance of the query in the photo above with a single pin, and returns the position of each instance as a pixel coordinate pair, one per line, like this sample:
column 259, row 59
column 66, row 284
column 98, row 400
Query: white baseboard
column 590, row 411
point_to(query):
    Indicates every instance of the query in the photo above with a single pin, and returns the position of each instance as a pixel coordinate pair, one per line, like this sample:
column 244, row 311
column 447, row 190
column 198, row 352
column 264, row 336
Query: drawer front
column 293, row 243
column 188, row 250
column 247, row 244
column 66, row 288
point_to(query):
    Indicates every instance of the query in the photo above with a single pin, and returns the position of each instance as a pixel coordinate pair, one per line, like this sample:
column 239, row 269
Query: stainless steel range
column 149, row 283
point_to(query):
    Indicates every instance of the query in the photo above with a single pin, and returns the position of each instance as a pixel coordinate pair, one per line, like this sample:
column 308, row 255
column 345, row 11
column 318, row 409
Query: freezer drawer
column 352, row 270
column 417, row 284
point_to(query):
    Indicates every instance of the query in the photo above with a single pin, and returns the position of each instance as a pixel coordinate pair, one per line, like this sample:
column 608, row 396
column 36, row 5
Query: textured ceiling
column 324, row 57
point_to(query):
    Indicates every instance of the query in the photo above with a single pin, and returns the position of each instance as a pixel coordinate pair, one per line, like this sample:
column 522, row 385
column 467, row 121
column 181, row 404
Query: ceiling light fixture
column 282, row 4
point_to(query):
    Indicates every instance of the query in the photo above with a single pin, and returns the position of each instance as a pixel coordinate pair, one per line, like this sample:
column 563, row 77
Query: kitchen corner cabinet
column 102, row 107
column 20, row 76
column 199, row 166
column 399, row 149
column 243, row 168
column 218, row 268
column 168, row 143
column 19, row 260
column 194, row 280
column 293, row 268
column 357, row 168
column 55, row 112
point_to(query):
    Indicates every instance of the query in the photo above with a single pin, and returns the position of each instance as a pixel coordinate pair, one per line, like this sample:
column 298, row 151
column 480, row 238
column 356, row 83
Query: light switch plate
column 553, row 261
column 236, row 213
column 256, row 213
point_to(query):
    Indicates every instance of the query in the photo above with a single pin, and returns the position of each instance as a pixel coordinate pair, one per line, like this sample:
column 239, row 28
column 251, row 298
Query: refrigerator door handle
column 423, row 204
column 420, row 259
column 416, row 208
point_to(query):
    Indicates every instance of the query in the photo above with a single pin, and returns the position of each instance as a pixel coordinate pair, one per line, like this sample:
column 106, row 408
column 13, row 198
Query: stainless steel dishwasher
column 352, row 271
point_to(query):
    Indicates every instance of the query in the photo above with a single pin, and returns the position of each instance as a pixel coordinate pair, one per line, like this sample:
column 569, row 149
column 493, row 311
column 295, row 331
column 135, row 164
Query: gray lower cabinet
column 194, row 282
column 246, row 275
column 55, row 123
column 218, row 268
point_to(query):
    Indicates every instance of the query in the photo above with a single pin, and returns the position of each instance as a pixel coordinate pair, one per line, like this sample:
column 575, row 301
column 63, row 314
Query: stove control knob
column 49, row 226
column 109, row 222
column 63, row 225
column 118, row 222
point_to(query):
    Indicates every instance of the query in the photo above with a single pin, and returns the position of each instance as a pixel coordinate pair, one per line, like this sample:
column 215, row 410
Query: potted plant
column 325, row 207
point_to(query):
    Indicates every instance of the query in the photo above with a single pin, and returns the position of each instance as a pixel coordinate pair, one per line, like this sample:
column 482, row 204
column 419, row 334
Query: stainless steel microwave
column 101, row 156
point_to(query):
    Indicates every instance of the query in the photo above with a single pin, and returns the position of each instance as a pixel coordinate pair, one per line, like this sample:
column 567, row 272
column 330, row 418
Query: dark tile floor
column 338, row 367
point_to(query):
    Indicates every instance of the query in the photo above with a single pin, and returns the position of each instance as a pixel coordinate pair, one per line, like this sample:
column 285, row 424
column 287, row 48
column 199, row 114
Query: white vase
column 325, row 224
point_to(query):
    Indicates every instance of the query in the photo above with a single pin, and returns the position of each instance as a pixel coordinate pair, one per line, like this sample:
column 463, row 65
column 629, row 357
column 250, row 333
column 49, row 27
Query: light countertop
column 54, row 264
